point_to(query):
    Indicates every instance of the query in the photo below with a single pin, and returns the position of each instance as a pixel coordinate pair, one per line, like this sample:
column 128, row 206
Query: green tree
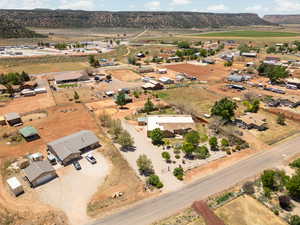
column 154, row 180
column 121, row 99
column 125, row 139
column 271, row 49
column 132, row 60
column 76, row 96
column 192, row 137
column 224, row 108
column 293, row 185
column 202, row 152
column 149, row 106
column 115, row 128
column 294, row 220
column 274, row 72
column 157, row 136
column 295, row 164
column 228, row 64
column 213, row 143
column 281, row 119
column 166, row 156
column 178, row 173
column 252, row 106
column 183, row 44
column 224, row 142
column 188, row 149
column 268, row 179
column 145, row 165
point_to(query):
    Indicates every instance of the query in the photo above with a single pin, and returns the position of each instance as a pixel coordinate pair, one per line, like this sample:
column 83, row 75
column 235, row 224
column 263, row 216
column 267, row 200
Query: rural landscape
column 149, row 118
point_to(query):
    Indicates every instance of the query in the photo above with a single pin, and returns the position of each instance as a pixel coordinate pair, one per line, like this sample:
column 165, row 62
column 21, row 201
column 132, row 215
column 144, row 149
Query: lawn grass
column 250, row 33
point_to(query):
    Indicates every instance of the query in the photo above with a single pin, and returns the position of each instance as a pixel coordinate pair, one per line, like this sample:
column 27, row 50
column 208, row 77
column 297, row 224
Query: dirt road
column 146, row 212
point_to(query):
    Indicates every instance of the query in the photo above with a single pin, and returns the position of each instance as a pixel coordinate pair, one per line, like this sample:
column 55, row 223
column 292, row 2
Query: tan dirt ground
column 208, row 73
column 27, row 104
column 124, row 75
column 247, row 211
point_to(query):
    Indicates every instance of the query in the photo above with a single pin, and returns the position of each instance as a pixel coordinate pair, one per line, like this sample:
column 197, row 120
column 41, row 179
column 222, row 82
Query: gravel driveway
column 144, row 146
column 72, row 190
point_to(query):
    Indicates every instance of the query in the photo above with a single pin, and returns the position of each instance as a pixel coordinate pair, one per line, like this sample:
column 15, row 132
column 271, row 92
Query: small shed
column 29, row 133
column 15, row 186
column 13, row 119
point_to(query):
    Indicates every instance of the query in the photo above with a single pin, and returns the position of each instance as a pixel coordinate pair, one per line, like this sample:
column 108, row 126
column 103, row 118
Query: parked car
column 51, row 158
column 77, row 166
column 91, row 159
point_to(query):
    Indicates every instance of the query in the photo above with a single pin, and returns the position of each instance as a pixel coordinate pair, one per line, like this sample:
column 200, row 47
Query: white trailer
column 15, row 186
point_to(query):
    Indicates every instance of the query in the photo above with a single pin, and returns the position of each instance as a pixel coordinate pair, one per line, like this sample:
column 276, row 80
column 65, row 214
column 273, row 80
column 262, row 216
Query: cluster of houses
column 65, row 150
column 29, row 88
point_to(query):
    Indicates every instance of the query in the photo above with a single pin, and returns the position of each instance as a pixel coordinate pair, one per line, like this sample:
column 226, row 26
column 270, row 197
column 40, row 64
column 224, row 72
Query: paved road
column 148, row 211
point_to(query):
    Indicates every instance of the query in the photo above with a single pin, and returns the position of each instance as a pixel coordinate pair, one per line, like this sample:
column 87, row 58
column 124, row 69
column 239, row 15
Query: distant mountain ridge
column 72, row 18
column 283, row 19
column 9, row 29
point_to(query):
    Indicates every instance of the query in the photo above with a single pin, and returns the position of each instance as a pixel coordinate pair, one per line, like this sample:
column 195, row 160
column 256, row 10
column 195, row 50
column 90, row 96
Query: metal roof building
column 70, row 147
column 39, row 172
column 29, row 132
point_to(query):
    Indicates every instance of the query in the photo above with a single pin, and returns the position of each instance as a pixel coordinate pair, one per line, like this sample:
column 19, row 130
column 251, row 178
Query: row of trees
column 118, row 134
column 14, row 78
column 274, row 72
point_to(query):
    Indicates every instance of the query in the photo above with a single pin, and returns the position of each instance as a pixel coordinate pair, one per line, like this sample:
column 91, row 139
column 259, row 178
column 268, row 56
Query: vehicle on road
column 90, row 158
column 77, row 166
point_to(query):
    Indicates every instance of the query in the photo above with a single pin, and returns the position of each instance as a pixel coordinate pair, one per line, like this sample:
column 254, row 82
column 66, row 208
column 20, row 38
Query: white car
column 89, row 157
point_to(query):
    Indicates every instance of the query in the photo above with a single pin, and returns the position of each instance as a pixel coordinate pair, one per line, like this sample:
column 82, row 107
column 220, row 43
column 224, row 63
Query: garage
column 39, row 172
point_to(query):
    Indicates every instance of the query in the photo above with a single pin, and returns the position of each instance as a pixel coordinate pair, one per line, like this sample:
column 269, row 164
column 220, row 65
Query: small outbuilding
column 15, row 186
column 29, row 133
column 13, row 119
column 39, row 172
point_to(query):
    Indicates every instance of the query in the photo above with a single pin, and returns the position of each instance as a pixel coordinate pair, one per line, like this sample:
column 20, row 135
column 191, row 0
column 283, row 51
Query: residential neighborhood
column 150, row 126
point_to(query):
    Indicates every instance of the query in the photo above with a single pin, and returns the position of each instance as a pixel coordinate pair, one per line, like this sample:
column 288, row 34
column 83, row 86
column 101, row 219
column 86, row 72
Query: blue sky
column 261, row 7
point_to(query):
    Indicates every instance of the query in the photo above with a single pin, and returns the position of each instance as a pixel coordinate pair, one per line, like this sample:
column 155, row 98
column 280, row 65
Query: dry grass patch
column 276, row 132
column 186, row 217
column 121, row 179
column 124, row 75
column 247, row 211
column 193, row 99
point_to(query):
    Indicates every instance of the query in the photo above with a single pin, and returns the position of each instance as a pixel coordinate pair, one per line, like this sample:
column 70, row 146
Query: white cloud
column 181, row 2
column 78, row 4
column 287, row 5
column 217, row 7
column 153, row 5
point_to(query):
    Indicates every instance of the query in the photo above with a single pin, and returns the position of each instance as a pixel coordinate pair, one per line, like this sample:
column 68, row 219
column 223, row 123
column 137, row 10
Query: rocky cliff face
column 283, row 19
column 70, row 18
column 9, row 29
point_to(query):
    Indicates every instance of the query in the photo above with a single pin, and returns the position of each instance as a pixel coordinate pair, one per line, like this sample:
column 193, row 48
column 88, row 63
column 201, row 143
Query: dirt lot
column 124, row 75
column 27, row 104
column 186, row 217
column 208, row 73
column 58, row 123
column 109, row 107
column 60, row 192
column 247, row 211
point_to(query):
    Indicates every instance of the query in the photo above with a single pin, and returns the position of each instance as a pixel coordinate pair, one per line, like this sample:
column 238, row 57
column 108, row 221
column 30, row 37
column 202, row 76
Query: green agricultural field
column 250, row 33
